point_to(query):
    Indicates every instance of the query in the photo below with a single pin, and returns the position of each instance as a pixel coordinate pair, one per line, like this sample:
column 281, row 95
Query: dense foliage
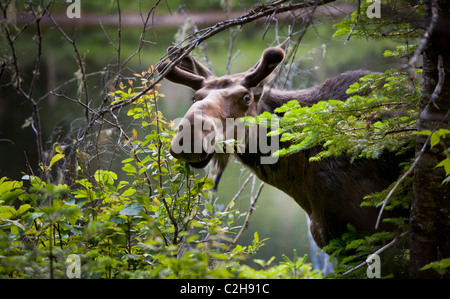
column 381, row 115
column 362, row 126
column 155, row 219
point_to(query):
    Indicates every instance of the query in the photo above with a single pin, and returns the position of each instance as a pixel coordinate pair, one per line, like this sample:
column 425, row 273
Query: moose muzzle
column 196, row 138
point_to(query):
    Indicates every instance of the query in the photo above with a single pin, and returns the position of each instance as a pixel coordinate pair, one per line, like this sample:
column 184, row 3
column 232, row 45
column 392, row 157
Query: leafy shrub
column 155, row 219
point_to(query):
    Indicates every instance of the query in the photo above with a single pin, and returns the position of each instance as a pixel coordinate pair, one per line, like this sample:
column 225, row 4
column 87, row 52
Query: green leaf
column 105, row 177
column 23, row 208
column 208, row 207
column 55, row 159
column 129, row 168
column 425, row 132
column 129, row 192
column 439, row 266
column 446, row 164
column 256, row 236
column 436, row 136
column 10, row 190
column 132, row 209
column 7, row 212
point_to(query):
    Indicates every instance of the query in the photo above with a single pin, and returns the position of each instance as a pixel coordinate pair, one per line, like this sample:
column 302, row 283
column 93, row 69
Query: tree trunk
column 430, row 210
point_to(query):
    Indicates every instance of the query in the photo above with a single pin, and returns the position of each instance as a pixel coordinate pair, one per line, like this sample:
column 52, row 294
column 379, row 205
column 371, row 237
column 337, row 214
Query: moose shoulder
column 330, row 191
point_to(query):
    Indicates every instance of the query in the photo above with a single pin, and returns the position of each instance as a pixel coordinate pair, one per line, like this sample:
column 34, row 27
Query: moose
column 330, row 191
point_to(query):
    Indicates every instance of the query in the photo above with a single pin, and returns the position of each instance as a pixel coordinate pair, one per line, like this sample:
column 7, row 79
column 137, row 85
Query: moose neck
column 297, row 166
column 334, row 88
column 274, row 98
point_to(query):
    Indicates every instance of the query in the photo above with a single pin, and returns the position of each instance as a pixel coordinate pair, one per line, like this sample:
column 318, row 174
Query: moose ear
column 284, row 44
column 190, row 64
column 180, row 76
column 188, row 71
column 270, row 59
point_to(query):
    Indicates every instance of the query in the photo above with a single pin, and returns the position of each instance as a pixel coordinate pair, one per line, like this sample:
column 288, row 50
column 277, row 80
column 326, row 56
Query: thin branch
column 39, row 51
column 231, row 42
column 253, row 200
column 424, row 41
column 36, row 123
column 433, row 97
column 54, row 90
column 119, row 43
column 355, row 24
column 390, row 244
column 230, row 205
column 295, row 48
column 400, row 180
column 177, row 54
column 144, row 29
column 196, row 33
column 79, row 61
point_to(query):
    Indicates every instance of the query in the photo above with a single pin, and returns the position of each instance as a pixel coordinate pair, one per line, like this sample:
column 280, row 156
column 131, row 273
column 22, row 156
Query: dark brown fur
column 330, row 191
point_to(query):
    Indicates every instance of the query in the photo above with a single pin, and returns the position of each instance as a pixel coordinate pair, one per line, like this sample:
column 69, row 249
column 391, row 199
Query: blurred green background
column 319, row 56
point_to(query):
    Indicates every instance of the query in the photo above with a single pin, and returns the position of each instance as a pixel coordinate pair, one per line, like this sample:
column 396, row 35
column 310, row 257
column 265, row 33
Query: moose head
column 218, row 104
column 330, row 191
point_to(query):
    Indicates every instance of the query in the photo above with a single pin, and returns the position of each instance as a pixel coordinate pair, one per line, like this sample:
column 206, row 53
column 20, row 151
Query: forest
column 89, row 109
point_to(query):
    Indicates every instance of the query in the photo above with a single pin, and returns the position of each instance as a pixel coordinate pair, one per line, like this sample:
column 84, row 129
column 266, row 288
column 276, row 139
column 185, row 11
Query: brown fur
column 330, row 191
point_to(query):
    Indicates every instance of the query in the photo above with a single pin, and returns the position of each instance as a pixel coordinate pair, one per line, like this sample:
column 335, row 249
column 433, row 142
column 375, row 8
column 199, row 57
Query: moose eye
column 195, row 99
column 247, row 98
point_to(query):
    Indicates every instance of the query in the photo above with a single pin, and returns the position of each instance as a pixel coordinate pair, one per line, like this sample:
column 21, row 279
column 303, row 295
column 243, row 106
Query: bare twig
column 400, row 180
column 55, row 89
column 119, row 42
column 17, row 81
column 253, row 200
column 196, row 33
column 79, row 61
column 291, row 56
column 433, row 97
column 231, row 42
column 230, row 205
column 388, row 245
column 178, row 53
column 355, row 24
column 144, row 29
column 424, row 41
